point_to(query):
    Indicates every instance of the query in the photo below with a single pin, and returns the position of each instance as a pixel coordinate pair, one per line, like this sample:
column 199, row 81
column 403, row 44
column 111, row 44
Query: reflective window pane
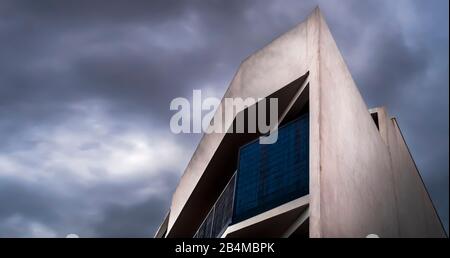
column 272, row 174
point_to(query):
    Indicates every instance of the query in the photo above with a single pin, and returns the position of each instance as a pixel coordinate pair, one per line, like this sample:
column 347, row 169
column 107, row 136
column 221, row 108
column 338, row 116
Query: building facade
column 337, row 169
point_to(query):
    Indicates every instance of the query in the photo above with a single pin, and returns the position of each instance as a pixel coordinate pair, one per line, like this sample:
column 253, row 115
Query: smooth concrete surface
column 367, row 179
column 417, row 215
column 162, row 230
column 272, row 223
column 362, row 180
column 223, row 163
column 284, row 60
column 382, row 117
column 355, row 180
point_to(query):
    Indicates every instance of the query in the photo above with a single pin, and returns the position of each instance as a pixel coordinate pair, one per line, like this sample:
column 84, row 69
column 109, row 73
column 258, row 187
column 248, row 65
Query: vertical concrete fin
column 368, row 181
column 313, row 38
column 418, row 216
column 356, row 191
column 271, row 68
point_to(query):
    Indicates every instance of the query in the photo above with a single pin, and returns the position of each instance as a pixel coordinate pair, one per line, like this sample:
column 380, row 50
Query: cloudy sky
column 85, row 88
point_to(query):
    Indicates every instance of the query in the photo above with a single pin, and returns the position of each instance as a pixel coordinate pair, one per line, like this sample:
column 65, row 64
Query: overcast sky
column 85, row 88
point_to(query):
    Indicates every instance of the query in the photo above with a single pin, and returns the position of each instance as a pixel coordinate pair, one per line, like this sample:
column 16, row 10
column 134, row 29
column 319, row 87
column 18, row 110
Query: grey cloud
column 21, row 198
column 140, row 220
column 83, row 210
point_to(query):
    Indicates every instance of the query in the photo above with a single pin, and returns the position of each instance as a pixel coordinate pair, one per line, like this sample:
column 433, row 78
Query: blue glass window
column 272, row 174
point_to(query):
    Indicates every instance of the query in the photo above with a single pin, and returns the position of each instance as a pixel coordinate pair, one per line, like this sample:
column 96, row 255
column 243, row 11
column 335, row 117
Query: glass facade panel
column 206, row 228
column 219, row 217
column 224, row 210
column 272, row 174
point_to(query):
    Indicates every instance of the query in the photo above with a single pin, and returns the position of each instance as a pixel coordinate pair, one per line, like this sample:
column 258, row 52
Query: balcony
column 268, row 176
column 220, row 216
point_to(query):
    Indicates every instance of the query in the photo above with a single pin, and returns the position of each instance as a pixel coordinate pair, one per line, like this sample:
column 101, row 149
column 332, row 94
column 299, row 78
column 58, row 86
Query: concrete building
column 338, row 169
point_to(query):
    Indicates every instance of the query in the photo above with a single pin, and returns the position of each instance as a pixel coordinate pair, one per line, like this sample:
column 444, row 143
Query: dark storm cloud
column 115, row 51
column 80, row 81
column 140, row 220
column 27, row 200
column 37, row 210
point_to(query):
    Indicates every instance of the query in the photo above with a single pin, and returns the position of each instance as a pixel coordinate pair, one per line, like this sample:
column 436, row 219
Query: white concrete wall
column 356, row 187
column 282, row 61
column 368, row 182
column 417, row 216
